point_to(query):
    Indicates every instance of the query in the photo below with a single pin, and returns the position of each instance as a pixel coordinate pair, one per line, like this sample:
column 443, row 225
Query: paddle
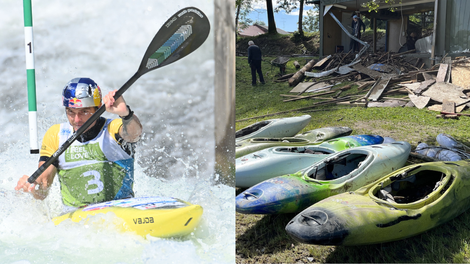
column 181, row 34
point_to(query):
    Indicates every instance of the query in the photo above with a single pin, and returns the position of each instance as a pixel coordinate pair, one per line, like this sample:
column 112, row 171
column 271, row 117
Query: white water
column 105, row 40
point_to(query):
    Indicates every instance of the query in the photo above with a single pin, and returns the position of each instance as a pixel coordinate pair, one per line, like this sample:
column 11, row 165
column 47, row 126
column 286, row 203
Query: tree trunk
column 301, row 10
column 236, row 17
column 271, row 23
column 300, row 75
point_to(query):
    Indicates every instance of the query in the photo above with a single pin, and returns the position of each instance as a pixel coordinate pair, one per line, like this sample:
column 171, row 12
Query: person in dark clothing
column 356, row 25
column 254, row 59
column 410, row 41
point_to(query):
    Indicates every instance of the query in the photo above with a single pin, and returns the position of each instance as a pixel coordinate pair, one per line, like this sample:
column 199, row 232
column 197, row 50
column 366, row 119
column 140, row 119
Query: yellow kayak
column 155, row 216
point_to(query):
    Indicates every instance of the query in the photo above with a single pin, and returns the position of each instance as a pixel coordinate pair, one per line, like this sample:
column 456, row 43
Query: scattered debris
column 444, row 85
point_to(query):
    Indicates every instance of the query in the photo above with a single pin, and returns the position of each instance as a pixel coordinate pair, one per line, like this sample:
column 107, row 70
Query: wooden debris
column 440, row 91
column 378, row 89
column 423, row 86
column 419, row 101
column 364, row 85
column 299, row 76
column 448, row 107
column 353, row 104
column 321, row 62
column 441, row 75
column 387, row 103
column 306, row 86
column 296, row 64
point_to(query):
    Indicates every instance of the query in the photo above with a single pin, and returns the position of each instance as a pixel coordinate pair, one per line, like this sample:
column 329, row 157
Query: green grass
column 262, row 239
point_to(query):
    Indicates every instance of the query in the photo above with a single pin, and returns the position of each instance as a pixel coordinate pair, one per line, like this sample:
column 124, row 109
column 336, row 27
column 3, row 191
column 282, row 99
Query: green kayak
column 404, row 203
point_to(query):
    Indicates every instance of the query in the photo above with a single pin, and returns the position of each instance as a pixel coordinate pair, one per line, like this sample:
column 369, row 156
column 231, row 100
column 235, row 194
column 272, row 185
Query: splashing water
column 105, row 40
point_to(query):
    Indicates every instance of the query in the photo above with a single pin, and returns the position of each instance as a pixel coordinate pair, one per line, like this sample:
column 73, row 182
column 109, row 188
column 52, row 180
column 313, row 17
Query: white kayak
column 274, row 128
column 312, row 137
column 268, row 163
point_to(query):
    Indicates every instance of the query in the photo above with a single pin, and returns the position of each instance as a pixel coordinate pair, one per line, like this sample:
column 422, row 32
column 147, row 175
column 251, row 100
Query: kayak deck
column 156, row 216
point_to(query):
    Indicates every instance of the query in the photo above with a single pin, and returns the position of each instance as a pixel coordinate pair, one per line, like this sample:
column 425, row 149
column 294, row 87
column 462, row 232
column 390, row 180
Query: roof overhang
column 406, row 6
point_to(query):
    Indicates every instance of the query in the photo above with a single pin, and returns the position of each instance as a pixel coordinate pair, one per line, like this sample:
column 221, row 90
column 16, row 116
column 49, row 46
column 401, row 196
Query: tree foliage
column 311, row 22
column 243, row 8
column 374, row 5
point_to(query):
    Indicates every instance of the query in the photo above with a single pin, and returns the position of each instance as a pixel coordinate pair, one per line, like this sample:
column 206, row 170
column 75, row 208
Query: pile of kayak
column 350, row 189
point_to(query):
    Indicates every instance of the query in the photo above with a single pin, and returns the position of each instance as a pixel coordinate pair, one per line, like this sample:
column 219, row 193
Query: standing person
column 254, row 59
column 356, row 25
column 99, row 165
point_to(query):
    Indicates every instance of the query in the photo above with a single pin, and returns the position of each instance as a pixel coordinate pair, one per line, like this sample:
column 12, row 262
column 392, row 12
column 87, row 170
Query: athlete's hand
column 117, row 106
column 24, row 185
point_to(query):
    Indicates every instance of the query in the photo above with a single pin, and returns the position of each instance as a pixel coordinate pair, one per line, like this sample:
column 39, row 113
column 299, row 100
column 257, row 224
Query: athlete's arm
column 131, row 128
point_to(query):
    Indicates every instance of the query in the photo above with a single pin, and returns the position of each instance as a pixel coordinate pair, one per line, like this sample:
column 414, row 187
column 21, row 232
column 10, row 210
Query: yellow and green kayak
column 404, row 203
column 156, row 216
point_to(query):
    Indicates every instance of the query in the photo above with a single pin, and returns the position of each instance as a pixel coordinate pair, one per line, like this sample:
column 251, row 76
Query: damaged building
column 449, row 34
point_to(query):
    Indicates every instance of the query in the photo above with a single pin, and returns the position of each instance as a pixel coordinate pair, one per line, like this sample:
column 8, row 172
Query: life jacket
column 94, row 171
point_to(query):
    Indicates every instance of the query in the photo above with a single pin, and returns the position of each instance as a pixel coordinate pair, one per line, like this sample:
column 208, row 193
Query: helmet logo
column 74, row 102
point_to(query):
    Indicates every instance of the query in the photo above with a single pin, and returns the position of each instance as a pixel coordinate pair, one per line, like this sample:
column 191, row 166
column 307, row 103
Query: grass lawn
column 262, row 238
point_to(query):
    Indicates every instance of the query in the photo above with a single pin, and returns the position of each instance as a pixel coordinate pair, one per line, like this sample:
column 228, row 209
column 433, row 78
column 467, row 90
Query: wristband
column 129, row 116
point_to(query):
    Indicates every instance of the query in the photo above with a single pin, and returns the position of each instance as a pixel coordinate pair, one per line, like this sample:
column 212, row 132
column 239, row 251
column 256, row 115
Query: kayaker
column 254, row 59
column 99, row 165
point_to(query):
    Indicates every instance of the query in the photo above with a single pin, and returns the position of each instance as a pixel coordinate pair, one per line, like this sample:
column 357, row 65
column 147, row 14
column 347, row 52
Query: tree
column 311, row 20
column 272, row 29
column 373, row 5
column 243, row 7
column 289, row 6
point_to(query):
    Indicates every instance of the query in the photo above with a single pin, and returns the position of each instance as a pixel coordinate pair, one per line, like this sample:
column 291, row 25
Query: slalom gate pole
column 30, row 76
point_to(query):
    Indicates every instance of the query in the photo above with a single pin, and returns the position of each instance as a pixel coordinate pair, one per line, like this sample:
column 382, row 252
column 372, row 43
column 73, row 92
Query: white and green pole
column 30, row 76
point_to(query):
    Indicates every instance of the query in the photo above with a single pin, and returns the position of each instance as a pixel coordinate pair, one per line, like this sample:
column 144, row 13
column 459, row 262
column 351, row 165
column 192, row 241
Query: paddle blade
column 181, row 34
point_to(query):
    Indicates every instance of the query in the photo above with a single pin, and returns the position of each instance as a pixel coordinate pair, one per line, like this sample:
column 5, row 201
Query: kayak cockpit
column 413, row 189
column 337, row 167
column 304, row 150
column 250, row 129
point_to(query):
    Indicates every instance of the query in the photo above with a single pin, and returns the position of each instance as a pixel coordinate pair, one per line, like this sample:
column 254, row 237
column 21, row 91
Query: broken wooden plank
column 448, row 61
column 308, row 96
column 456, row 114
column 306, row 87
column 419, row 101
column 438, row 108
column 427, row 76
column 423, row 86
column 442, row 73
column 364, row 85
column 440, row 91
column 378, row 88
column 353, row 104
column 387, row 103
column 448, row 106
column 321, row 62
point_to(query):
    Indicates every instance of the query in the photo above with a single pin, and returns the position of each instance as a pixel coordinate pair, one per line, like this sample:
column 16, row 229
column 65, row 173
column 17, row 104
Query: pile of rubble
column 385, row 80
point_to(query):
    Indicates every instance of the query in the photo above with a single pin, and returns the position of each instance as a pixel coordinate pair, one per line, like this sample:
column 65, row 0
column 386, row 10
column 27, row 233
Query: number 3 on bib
column 95, row 181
